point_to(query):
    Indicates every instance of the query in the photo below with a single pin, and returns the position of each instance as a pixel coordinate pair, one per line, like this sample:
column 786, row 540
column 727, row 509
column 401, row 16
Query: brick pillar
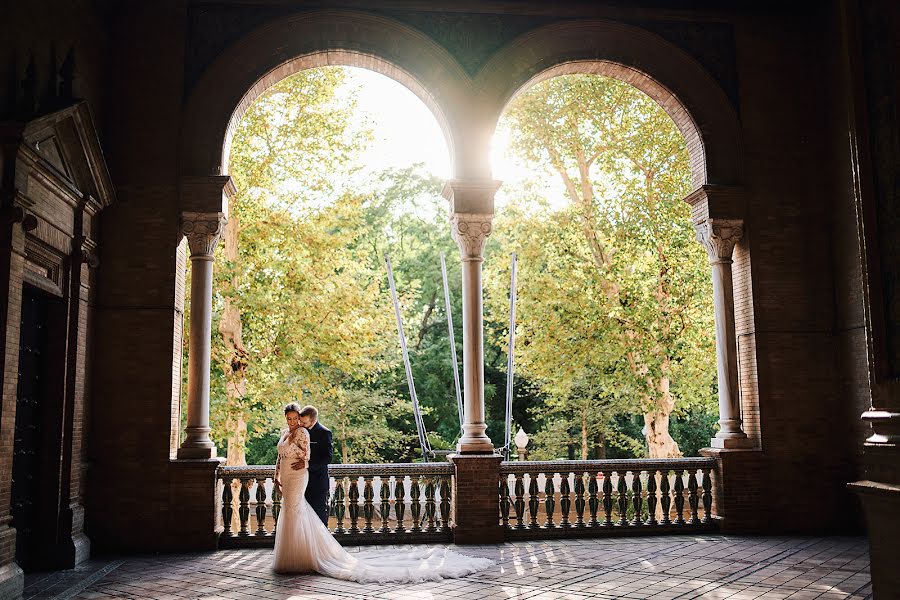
column 476, row 501
column 739, row 498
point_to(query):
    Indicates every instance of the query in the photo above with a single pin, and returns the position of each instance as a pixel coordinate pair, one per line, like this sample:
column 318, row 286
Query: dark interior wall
column 47, row 30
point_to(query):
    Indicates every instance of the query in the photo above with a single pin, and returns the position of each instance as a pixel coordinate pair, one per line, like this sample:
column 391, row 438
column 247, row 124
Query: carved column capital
column 719, row 237
column 203, row 231
column 471, row 230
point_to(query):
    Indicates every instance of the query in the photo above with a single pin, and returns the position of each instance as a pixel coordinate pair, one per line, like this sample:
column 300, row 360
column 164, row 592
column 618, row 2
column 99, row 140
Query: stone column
column 203, row 231
column 471, row 232
column 471, row 213
column 719, row 236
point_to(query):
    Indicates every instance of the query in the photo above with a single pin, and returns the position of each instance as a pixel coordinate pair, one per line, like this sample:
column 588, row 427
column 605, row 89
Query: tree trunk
column 584, row 436
column 656, row 421
column 235, row 364
column 237, row 441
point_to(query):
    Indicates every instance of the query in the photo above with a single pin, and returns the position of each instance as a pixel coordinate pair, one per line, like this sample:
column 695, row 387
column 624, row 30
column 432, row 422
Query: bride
column 303, row 543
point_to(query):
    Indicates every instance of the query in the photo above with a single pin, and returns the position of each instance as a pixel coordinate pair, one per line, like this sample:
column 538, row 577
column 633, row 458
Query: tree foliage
column 615, row 312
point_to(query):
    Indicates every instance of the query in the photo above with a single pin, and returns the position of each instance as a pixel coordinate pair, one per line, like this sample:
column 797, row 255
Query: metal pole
column 459, row 399
column 417, row 415
column 509, row 359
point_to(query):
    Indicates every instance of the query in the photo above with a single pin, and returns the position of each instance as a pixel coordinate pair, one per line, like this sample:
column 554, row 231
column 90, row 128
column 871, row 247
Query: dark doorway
column 30, row 448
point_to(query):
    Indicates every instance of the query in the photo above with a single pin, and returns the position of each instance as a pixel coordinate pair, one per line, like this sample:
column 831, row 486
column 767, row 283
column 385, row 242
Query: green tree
column 300, row 310
column 615, row 300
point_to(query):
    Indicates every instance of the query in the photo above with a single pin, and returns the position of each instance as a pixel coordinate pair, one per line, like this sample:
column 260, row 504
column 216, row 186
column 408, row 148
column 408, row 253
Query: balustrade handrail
column 614, row 464
column 346, row 470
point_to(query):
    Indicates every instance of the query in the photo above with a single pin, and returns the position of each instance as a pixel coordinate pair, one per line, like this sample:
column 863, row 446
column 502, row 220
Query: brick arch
column 697, row 104
column 291, row 44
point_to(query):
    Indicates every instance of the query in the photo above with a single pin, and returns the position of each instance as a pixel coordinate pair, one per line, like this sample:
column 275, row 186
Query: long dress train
column 304, row 544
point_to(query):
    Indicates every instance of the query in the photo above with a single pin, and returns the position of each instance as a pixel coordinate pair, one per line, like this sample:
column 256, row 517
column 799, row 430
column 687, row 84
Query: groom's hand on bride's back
column 298, row 464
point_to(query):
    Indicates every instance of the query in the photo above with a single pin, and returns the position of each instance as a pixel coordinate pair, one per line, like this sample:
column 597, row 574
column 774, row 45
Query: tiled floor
column 703, row 566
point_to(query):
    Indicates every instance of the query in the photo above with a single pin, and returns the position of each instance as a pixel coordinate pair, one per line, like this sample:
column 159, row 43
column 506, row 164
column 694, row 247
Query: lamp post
column 521, row 440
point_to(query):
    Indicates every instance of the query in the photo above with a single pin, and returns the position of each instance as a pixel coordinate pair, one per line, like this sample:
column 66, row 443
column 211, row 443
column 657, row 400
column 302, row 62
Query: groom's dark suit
column 319, row 457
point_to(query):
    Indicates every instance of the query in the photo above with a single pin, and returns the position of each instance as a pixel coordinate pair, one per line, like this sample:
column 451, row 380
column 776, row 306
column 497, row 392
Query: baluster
column 354, row 504
column 593, row 500
column 651, row 497
column 622, row 497
column 276, row 506
column 244, row 506
column 549, row 500
column 679, row 497
column 664, row 496
column 533, row 500
column 415, row 507
column 637, row 498
column 339, row 505
column 445, row 503
column 520, row 501
column 504, row 500
column 707, row 496
column 607, row 499
column 565, row 503
column 579, row 499
column 430, row 506
column 227, row 508
column 261, row 506
column 692, row 496
column 400, row 502
column 368, row 503
column 385, row 511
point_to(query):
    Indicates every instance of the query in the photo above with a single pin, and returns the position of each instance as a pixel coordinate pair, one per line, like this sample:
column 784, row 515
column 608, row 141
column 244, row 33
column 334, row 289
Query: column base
column 881, row 504
column 476, row 503
column 196, row 453
column 731, row 443
column 12, row 582
column 474, row 440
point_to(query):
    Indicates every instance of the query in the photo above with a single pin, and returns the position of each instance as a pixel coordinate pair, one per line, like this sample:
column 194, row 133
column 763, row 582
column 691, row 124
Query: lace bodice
column 292, row 446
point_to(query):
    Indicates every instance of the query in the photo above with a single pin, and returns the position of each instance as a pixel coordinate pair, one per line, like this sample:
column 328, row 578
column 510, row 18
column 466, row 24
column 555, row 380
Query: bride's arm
column 303, row 444
column 277, row 478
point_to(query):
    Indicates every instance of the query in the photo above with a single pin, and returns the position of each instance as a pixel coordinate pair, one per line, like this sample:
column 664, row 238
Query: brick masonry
column 476, row 512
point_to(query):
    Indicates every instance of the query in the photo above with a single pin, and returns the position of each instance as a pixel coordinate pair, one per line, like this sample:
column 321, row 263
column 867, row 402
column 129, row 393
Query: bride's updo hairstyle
column 292, row 407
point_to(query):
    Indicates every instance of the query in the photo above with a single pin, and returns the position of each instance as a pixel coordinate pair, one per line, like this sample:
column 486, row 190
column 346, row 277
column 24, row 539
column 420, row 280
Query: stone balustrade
column 369, row 504
column 598, row 497
column 412, row 503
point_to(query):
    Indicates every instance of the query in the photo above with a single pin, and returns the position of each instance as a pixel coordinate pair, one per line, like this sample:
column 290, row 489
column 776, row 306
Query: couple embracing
column 303, row 542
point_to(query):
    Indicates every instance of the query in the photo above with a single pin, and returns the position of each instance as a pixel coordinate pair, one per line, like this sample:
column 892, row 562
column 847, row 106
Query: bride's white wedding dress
column 304, row 544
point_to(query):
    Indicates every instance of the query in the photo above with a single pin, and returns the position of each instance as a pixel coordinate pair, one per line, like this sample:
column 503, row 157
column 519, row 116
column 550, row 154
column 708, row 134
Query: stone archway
column 711, row 128
column 468, row 108
column 289, row 45
column 216, row 105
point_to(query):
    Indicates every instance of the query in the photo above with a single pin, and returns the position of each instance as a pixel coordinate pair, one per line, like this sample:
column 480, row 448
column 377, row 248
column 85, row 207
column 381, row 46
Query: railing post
column 475, row 514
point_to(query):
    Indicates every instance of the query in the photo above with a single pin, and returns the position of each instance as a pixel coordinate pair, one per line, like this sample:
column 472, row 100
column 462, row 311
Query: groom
column 319, row 457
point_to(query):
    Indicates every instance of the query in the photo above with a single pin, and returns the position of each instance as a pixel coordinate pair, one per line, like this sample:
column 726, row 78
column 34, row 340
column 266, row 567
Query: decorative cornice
column 719, row 236
column 203, row 231
column 471, row 230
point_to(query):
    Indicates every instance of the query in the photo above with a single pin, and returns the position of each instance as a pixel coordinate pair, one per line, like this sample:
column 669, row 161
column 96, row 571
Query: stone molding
column 471, row 231
column 203, row 231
